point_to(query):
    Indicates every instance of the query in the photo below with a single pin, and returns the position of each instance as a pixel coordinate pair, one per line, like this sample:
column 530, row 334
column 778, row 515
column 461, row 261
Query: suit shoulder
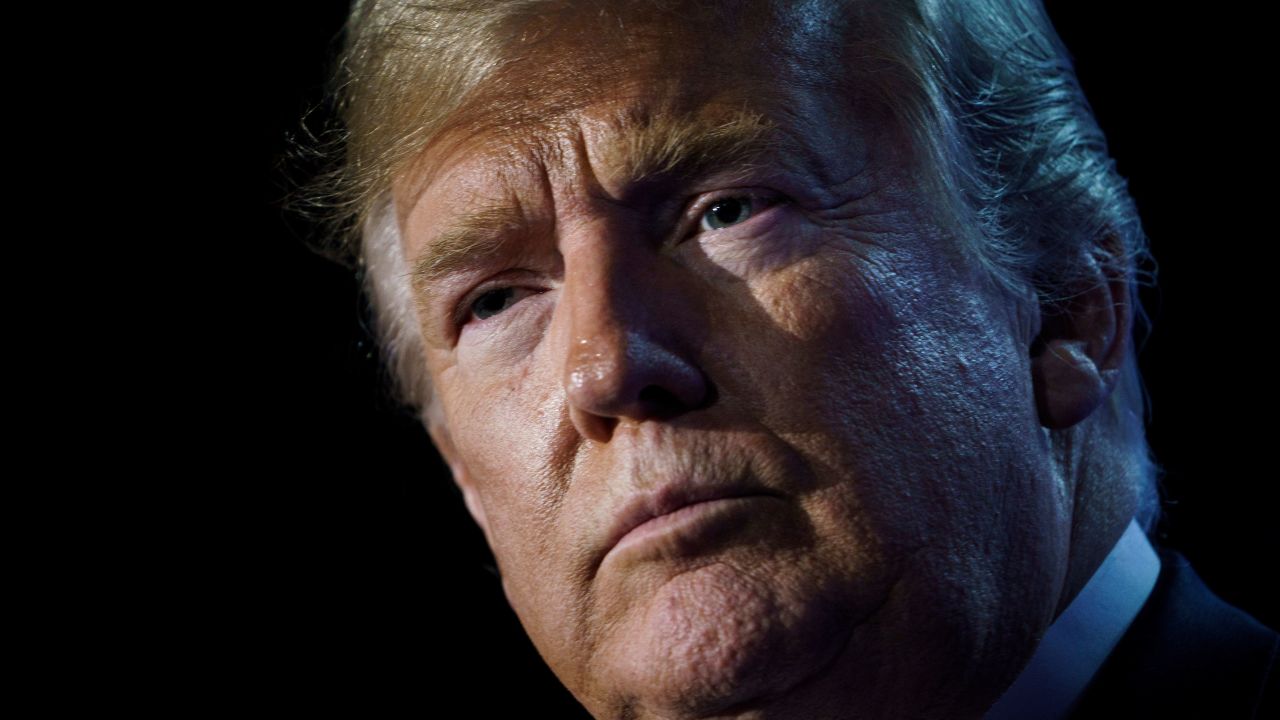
column 1187, row 654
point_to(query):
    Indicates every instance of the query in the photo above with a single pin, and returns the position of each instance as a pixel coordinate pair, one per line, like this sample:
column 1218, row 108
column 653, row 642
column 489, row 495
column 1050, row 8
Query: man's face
column 778, row 339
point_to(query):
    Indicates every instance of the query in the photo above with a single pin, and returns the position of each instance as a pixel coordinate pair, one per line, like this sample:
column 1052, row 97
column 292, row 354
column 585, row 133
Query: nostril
column 661, row 401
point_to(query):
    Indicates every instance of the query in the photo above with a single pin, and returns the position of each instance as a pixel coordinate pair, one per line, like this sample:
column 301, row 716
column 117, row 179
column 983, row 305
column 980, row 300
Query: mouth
column 679, row 511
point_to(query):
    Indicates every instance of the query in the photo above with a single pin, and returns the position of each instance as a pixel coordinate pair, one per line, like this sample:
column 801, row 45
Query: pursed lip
column 667, row 499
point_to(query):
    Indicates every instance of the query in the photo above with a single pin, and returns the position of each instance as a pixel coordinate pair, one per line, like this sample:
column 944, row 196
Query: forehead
column 633, row 57
column 679, row 104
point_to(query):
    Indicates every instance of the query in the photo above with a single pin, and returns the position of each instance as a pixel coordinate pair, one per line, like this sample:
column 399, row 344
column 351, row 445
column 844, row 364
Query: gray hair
column 985, row 87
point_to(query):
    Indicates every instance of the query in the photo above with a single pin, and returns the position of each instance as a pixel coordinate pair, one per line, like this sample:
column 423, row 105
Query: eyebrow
column 477, row 234
column 642, row 147
column 666, row 143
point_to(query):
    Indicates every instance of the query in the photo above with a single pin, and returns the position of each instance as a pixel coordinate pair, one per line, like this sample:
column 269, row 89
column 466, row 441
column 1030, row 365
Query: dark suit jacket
column 1187, row 655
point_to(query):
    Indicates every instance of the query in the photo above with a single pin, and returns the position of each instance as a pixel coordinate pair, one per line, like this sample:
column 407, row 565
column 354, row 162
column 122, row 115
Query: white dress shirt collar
column 1079, row 641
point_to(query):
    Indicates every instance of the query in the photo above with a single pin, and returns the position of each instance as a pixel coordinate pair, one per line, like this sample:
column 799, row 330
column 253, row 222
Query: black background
column 327, row 562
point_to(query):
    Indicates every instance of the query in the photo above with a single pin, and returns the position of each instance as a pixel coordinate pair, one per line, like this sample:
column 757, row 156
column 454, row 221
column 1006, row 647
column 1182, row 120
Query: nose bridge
column 608, row 316
column 627, row 355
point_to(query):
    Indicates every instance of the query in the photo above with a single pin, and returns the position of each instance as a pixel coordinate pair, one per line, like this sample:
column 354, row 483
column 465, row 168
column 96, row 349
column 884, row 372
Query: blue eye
column 493, row 302
column 725, row 212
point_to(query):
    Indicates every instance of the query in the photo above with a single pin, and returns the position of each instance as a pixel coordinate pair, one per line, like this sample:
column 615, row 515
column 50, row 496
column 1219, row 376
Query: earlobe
column 472, row 500
column 1069, row 384
column 1083, row 342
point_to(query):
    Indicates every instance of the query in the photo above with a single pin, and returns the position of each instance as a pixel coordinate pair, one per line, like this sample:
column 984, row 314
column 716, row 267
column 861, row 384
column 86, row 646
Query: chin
column 716, row 642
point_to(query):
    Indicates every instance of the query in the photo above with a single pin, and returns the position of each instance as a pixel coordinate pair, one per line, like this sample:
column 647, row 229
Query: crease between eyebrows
column 642, row 147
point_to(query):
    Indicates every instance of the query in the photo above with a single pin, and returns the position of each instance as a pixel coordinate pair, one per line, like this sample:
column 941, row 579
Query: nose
column 631, row 327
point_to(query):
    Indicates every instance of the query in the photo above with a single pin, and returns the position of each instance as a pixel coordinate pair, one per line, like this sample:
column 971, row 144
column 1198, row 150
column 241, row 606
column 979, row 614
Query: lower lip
column 690, row 528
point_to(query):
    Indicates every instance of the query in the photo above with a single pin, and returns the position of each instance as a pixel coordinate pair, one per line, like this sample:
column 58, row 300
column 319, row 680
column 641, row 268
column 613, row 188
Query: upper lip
column 668, row 498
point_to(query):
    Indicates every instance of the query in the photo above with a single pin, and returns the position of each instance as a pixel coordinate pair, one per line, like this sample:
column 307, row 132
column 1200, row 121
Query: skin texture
column 907, row 531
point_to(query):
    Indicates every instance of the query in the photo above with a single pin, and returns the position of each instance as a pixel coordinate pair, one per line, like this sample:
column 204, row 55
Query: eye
column 725, row 212
column 495, row 300
column 494, row 297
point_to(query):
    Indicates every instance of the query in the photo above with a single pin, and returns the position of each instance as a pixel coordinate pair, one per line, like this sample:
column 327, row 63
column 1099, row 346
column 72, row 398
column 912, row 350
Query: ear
column 1084, row 338
column 439, row 433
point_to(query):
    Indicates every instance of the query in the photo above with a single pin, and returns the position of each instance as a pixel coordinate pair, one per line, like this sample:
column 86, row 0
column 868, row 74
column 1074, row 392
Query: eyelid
column 766, row 199
column 460, row 315
column 462, row 311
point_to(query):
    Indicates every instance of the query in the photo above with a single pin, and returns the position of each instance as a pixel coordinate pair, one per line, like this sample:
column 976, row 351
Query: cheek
column 505, row 422
column 804, row 331
column 822, row 298
column 517, row 449
column 882, row 367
